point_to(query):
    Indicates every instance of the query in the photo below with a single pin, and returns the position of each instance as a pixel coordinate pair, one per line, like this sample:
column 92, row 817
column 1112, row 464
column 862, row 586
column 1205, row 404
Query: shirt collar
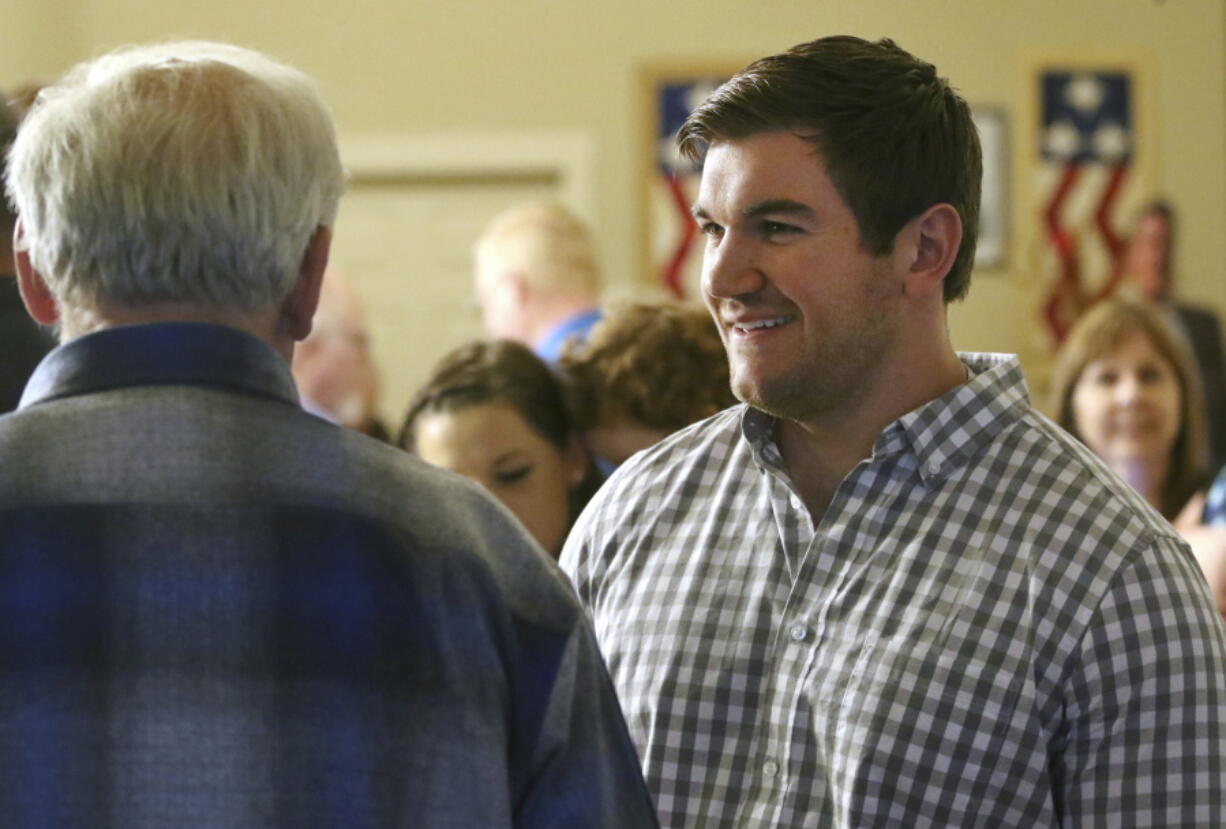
column 577, row 325
column 941, row 434
column 160, row 354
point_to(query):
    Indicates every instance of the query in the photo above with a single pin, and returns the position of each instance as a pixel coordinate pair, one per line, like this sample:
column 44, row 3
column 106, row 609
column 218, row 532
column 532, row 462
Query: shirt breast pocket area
column 932, row 684
column 712, row 647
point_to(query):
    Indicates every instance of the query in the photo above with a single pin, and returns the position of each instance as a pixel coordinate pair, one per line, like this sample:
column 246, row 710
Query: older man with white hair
column 215, row 608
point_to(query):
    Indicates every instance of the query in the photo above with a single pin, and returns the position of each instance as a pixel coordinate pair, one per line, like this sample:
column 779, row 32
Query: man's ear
column 298, row 309
column 39, row 301
column 932, row 242
column 517, row 284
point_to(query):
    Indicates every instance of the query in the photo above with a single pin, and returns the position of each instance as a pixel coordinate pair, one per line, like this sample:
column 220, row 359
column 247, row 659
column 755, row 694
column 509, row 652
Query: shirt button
column 770, row 768
column 799, row 633
column 933, row 467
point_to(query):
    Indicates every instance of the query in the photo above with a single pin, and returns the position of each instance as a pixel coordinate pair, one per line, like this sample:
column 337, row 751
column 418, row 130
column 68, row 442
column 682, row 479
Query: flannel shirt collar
column 943, row 433
column 161, row 354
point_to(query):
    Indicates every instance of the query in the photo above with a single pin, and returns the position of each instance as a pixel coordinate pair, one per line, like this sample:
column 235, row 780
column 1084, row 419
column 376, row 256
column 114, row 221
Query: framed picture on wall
column 993, row 243
column 672, row 248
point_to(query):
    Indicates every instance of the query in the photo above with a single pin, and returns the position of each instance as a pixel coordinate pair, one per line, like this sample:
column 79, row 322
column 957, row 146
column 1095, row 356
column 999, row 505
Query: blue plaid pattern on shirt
column 218, row 610
column 986, row 628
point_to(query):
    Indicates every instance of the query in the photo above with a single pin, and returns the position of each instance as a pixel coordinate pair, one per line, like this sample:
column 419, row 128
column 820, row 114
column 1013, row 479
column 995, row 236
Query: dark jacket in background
column 22, row 344
column 1205, row 335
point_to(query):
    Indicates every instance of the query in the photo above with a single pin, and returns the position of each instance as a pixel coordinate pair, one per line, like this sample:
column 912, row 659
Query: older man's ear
column 39, row 301
column 299, row 307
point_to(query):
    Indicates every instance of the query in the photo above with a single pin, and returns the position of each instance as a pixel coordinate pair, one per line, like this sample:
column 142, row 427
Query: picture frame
column 671, row 247
column 992, row 250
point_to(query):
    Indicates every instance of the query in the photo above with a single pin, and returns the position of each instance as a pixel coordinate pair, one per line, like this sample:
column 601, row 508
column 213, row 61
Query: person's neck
column 551, row 313
column 259, row 324
column 1146, row 474
column 820, row 451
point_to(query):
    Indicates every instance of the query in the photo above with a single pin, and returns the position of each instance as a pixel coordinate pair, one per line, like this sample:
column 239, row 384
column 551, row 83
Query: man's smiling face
column 808, row 317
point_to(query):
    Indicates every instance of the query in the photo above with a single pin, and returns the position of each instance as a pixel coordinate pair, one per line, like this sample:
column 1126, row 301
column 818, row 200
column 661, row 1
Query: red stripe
column 1102, row 218
column 1067, row 286
column 673, row 270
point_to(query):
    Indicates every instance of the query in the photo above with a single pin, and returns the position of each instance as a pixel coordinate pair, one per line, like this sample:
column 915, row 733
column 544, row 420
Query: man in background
column 216, row 607
column 537, row 280
column 333, row 367
column 885, row 591
column 1149, row 263
column 22, row 341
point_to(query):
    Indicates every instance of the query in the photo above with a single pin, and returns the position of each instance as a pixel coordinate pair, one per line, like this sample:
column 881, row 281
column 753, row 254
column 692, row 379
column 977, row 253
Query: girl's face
column 1127, row 403
column 493, row 444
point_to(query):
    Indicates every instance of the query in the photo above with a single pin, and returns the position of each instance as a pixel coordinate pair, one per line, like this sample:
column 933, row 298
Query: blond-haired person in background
column 536, row 277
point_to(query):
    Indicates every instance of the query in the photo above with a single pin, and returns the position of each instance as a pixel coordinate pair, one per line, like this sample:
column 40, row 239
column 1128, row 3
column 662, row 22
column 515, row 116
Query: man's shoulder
column 211, row 449
column 438, row 513
column 656, row 489
column 1065, row 500
column 439, row 516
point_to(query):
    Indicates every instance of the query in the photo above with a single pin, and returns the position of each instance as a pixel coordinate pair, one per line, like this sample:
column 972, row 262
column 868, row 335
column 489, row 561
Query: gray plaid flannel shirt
column 987, row 628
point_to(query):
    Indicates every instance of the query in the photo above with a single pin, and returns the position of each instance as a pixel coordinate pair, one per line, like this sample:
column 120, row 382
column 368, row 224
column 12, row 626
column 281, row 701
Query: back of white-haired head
column 545, row 243
column 190, row 173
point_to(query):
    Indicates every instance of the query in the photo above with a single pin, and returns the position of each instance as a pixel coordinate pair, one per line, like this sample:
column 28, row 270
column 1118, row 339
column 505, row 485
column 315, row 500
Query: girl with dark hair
column 495, row 412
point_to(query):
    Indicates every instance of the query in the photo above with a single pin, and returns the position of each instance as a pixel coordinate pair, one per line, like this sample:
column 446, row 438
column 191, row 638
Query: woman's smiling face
column 1127, row 403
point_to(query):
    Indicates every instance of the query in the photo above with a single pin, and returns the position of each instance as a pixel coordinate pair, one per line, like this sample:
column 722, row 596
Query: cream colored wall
column 414, row 67
column 38, row 38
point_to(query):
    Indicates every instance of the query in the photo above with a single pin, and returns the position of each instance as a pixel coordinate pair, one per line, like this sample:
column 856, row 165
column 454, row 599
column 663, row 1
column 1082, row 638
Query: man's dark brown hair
column 896, row 138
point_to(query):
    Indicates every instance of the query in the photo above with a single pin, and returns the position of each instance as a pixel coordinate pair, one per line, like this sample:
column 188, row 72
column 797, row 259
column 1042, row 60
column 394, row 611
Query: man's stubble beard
column 843, row 370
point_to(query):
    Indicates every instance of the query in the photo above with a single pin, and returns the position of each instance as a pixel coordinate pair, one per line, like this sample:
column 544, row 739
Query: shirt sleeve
column 1144, row 736
column 585, row 770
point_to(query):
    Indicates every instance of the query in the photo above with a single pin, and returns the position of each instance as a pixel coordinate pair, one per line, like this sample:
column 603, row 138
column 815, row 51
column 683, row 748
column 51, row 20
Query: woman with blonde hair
column 1125, row 384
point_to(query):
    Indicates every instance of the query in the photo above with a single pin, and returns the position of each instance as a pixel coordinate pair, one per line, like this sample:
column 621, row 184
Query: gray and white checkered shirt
column 987, row 628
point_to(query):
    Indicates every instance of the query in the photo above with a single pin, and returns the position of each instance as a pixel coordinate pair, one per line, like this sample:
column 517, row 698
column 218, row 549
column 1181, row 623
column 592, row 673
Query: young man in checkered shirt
column 884, row 591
